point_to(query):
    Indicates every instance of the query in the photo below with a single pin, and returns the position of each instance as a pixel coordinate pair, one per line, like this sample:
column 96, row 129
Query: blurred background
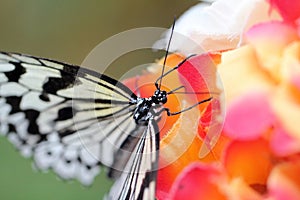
column 67, row 31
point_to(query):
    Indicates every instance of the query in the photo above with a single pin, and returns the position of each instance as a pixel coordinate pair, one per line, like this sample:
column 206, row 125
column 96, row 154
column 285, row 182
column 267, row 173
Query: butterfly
column 73, row 120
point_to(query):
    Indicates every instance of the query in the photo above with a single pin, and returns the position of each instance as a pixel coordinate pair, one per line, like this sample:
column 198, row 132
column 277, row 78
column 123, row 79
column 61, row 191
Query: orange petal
column 178, row 148
column 250, row 160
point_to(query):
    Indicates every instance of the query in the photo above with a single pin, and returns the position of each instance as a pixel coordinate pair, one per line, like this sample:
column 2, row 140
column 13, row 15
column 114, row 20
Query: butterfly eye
column 164, row 99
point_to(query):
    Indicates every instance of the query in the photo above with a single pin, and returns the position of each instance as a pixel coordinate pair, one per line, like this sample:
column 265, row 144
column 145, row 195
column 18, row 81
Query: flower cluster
column 257, row 151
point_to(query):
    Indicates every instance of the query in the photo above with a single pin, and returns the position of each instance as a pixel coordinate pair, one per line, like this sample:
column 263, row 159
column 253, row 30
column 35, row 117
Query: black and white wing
column 67, row 118
column 138, row 180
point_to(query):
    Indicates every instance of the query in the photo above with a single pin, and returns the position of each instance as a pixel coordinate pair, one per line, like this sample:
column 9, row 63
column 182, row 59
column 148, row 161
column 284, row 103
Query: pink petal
column 197, row 181
column 248, row 117
column 284, row 181
column 271, row 31
column 213, row 108
column 289, row 10
column 209, row 117
column 295, row 80
column 269, row 40
column 198, row 74
column 283, row 144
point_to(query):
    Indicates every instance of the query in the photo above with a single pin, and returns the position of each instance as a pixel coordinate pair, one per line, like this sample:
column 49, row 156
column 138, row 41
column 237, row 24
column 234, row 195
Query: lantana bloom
column 250, row 128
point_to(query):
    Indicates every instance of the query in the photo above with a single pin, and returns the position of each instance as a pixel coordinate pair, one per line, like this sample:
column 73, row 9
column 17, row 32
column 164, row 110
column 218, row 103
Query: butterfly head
column 160, row 97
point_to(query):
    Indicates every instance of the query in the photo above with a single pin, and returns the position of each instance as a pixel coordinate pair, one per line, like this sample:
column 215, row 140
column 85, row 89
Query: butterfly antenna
column 167, row 53
column 174, row 90
column 208, row 92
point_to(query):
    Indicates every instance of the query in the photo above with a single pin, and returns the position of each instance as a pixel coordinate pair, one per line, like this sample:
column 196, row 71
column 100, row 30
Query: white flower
column 218, row 26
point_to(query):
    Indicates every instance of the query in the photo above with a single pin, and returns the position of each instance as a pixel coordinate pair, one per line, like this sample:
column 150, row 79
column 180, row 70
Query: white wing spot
column 47, row 154
column 36, row 76
column 65, row 170
column 32, row 100
column 3, row 128
column 26, row 151
column 26, row 59
column 13, row 138
column 90, row 154
column 53, row 137
column 86, row 176
column 4, row 110
column 3, row 78
column 6, row 67
column 21, row 129
column 52, row 64
column 7, row 58
column 12, row 89
column 16, row 118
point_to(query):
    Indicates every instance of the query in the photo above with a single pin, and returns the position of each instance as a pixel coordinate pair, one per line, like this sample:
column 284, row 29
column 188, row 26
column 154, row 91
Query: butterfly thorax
column 147, row 107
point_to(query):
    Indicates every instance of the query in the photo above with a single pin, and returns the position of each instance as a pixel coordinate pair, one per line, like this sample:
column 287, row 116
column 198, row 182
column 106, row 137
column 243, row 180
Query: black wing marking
column 67, row 118
column 138, row 179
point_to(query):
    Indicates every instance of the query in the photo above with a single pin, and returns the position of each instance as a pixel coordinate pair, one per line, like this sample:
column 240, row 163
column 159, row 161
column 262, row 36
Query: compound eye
column 164, row 100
